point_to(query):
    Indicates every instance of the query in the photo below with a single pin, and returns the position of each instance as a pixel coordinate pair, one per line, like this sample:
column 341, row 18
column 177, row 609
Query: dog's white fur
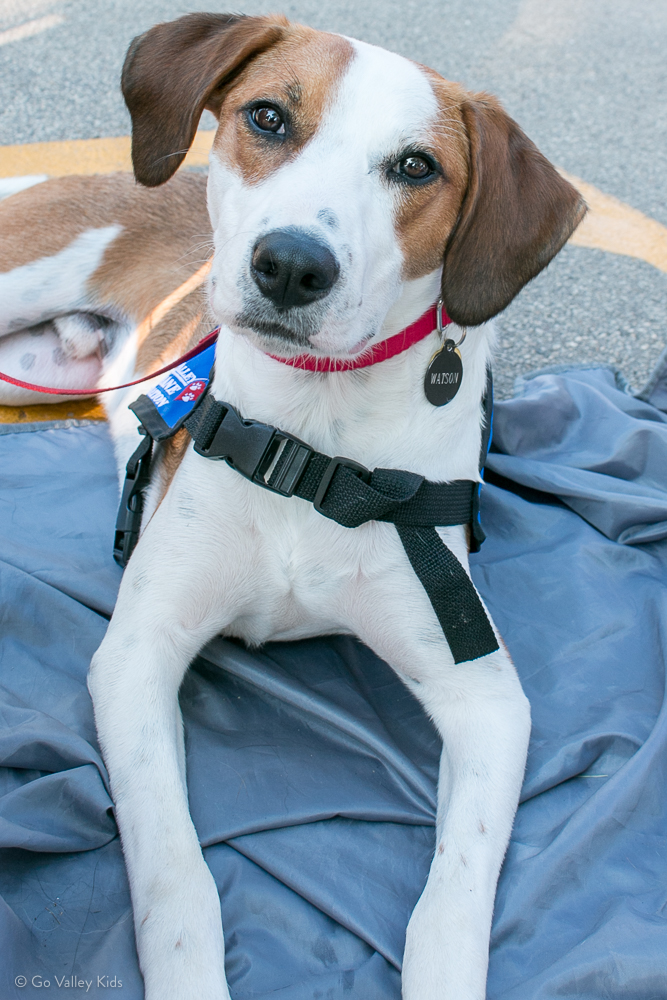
column 248, row 563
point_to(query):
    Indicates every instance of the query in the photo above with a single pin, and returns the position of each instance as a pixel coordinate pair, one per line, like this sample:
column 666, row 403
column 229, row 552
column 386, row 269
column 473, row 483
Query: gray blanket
column 312, row 770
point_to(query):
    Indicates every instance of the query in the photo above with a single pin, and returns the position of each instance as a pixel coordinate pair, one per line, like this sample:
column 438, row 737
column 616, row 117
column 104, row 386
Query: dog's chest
column 293, row 572
column 276, row 567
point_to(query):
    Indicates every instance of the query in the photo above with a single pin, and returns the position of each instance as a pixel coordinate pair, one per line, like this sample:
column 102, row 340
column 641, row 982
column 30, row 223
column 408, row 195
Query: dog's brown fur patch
column 180, row 330
column 427, row 213
column 498, row 216
column 299, row 74
column 170, row 456
column 159, row 247
column 167, row 236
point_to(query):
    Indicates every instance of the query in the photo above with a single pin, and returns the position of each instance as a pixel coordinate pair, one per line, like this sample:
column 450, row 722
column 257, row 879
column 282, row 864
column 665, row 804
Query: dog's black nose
column 292, row 268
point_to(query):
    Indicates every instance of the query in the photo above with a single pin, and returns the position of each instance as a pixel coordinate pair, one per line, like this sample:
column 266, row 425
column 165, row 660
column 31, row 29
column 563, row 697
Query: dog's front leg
column 483, row 718
column 163, row 617
column 484, row 721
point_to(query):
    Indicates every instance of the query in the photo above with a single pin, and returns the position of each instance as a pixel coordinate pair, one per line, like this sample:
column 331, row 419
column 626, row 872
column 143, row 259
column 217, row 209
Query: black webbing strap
column 349, row 494
column 451, row 592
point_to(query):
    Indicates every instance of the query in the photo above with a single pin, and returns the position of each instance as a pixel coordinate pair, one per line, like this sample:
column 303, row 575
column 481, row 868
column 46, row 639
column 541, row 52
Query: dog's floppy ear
column 170, row 74
column 516, row 215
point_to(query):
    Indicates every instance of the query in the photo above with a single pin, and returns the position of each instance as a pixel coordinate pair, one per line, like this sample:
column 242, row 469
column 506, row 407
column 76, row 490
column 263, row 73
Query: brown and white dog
column 371, row 186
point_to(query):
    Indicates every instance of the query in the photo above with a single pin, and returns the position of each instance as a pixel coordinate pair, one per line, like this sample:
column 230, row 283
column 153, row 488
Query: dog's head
column 342, row 177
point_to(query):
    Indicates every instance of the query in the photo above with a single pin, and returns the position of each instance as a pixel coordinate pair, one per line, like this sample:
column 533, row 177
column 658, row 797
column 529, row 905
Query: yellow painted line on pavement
column 85, row 156
column 30, row 28
column 613, row 226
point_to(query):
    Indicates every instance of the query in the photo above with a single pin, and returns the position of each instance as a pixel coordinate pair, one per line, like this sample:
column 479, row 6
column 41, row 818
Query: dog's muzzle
column 292, row 268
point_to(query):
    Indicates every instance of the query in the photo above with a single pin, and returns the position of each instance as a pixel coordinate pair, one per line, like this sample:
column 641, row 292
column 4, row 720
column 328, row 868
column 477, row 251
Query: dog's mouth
column 294, row 331
column 281, row 337
column 277, row 338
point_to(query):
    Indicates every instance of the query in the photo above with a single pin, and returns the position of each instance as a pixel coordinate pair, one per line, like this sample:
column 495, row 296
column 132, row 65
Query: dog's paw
column 80, row 336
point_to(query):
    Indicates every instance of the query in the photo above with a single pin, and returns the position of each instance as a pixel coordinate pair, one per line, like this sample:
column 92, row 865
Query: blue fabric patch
column 320, row 833
column 175, row 395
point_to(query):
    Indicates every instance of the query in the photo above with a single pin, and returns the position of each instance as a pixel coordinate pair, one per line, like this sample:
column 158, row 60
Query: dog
column 349, row 189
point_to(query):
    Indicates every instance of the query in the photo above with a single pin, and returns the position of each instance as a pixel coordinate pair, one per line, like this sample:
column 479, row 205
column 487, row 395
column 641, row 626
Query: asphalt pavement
column 586, row 79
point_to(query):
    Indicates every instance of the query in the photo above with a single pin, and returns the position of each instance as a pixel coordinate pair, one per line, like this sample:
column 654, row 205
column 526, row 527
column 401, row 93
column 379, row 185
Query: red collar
column 388, row 348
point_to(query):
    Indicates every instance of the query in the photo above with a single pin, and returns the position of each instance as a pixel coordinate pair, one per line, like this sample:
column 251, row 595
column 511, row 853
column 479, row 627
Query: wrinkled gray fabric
column 312, row 770
column 615, row 477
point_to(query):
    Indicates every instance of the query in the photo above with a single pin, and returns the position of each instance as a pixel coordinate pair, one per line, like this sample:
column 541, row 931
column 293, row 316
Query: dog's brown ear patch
column 170, row 75
column 516, row 215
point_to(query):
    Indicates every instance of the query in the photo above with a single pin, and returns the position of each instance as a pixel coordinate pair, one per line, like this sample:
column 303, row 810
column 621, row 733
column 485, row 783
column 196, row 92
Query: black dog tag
column 444, row 375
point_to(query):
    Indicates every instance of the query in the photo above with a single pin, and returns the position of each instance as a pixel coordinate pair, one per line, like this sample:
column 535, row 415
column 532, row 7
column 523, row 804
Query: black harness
column 339, row 489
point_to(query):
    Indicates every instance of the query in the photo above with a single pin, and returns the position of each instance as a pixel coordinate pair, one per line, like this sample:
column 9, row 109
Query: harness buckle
column 325, row 482
column 128, row 522
column 263, row 454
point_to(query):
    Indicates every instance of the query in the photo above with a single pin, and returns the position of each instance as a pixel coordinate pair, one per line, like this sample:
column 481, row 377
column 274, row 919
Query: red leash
column 400, row 342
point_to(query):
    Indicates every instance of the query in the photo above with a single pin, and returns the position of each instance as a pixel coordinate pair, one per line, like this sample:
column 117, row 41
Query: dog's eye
column 414, row 167
column 268, row 120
